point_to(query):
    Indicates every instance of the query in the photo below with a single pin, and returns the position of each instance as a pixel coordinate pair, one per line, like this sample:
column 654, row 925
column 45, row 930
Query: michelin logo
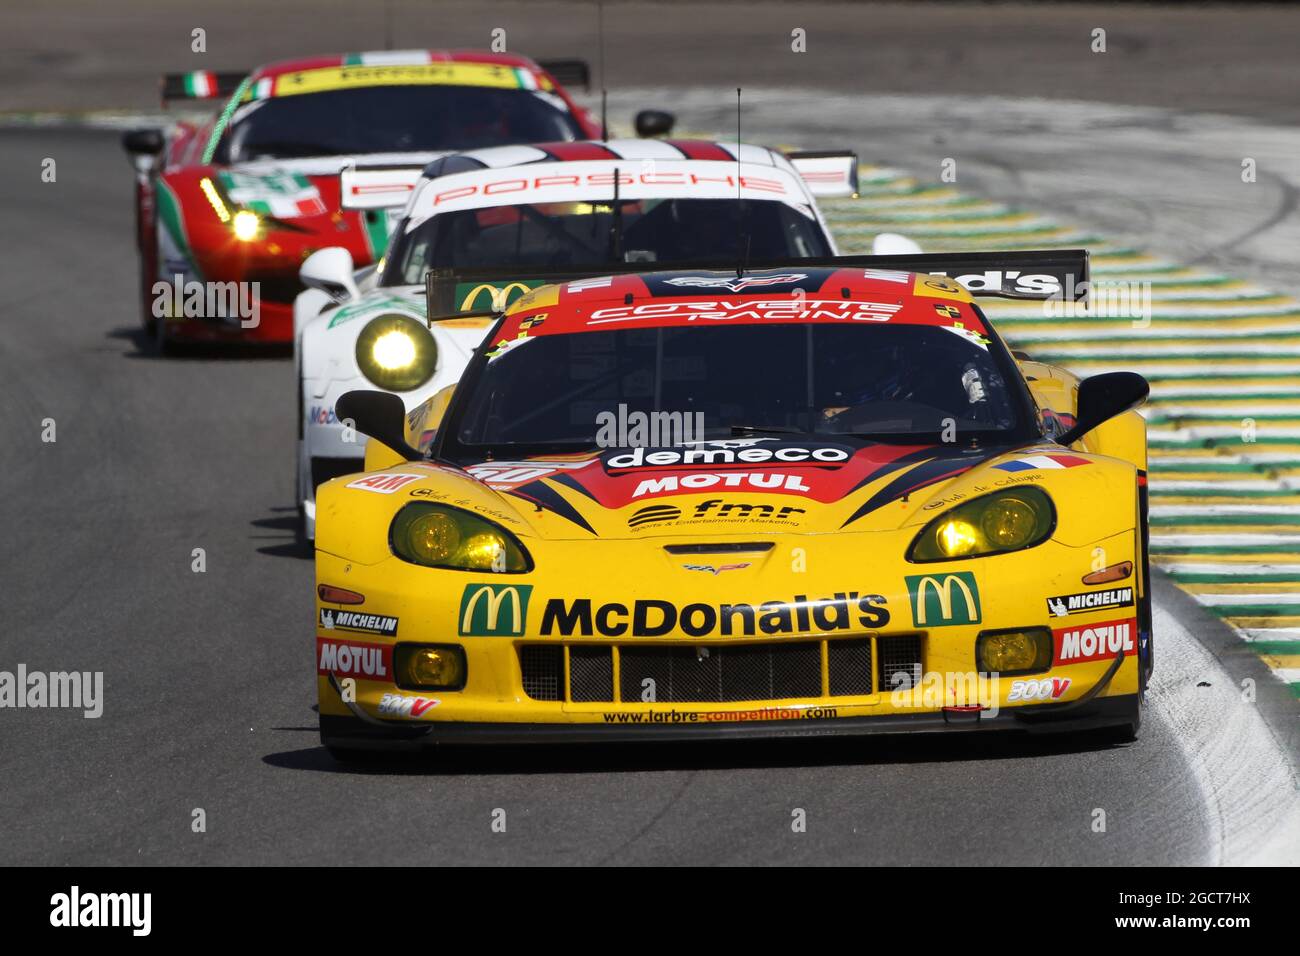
column 1066, row 604
column 332, row 620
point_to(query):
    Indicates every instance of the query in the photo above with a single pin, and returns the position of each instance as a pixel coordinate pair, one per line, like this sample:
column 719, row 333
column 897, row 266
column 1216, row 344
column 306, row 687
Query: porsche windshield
column 597, row 233
column 393, row 119
column 893, row 383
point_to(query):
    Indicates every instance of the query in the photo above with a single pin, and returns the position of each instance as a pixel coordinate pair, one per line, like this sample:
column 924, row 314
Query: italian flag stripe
column 200, row 84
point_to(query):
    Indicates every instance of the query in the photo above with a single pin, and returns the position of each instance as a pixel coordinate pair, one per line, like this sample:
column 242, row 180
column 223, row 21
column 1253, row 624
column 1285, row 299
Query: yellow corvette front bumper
column 807, row 638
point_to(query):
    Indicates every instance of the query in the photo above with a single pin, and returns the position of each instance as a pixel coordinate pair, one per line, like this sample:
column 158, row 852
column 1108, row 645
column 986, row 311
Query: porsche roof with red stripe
column 772, row 296
column 500, row 157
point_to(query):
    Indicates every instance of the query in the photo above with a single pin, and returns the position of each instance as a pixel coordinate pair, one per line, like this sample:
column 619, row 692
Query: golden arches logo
column 494, row 610
column 498, row 299
column 935, row 598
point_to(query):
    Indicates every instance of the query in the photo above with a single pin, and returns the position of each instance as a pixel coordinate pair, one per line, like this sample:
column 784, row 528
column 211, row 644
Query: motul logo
column 1078, row 645
column 366, row 661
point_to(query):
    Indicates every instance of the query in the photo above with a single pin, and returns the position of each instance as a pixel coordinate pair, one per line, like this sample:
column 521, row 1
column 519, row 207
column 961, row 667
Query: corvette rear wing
column 828, row 172
column 378, row 187
column 568, row 73
column 1034, row 274
column 200, row 85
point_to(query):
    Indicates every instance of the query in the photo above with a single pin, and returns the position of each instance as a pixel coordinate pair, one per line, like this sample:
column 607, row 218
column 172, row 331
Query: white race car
column 561, row 205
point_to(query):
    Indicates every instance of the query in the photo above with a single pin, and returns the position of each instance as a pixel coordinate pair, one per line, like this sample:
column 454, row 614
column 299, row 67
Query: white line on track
column 1243, row 770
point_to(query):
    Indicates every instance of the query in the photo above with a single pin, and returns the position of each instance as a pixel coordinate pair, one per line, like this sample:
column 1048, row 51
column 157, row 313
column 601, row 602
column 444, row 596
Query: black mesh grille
column 542, row 667
column 849, row 664
column 591, row 673
column 723, row 674
column 900, row 656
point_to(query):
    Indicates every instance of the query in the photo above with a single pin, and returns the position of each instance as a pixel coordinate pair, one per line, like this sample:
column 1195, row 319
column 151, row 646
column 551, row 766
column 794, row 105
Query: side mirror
column 381, row 415
column 143, row 142
column 651, row 123
column 330, row 270
column 1101, row 398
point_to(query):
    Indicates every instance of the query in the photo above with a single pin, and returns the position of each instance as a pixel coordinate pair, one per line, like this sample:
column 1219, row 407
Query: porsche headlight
column 396, row 353
column 1004, row 521
column 441, row 537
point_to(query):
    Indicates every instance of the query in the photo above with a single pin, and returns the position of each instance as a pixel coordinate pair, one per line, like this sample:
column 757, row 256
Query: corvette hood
column 764, row 486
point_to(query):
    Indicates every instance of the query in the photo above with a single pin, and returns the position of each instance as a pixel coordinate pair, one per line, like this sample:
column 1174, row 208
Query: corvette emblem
column 715, row 571
column 734, row 285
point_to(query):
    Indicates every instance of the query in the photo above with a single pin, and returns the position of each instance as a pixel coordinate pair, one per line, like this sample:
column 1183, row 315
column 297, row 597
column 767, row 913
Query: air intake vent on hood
column 726, row 547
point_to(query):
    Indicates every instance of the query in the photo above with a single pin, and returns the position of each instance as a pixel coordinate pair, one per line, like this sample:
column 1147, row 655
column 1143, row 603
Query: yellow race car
column 823, row 498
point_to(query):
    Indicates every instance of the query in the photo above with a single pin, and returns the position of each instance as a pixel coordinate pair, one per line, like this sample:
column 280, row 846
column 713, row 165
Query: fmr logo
column 933, row 603
column 498, row 299
column 494, row 610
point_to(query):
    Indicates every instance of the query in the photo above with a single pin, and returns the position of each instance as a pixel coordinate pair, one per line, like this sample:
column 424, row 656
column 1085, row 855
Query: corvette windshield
column 393, row 119
column 597, row 233
column 893, row 383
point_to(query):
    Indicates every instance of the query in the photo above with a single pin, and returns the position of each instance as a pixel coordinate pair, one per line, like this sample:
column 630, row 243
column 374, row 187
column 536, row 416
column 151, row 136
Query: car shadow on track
column 287, row 535
column 147, row 348
column 700, row 755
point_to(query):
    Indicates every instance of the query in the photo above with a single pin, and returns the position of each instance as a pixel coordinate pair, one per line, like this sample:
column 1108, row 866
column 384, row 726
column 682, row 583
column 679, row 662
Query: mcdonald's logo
column 498, row 299
column 934, row 601
column 494, row 610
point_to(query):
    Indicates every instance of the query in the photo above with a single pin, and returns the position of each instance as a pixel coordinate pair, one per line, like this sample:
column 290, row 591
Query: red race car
column 228, row 208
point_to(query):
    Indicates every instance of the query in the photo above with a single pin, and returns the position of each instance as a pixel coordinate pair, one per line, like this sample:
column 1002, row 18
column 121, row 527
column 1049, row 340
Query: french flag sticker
column 1037, row 462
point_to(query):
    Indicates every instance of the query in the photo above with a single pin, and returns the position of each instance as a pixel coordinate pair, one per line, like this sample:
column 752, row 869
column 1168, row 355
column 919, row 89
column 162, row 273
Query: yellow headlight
column 435, row 537
column 245, row 224
column 396, row 353
column 957, row 537
column 1014, row 652
column 1009, row 522
column 425, row 667
column 995, row 523
column 441, row 537
column 485, row 550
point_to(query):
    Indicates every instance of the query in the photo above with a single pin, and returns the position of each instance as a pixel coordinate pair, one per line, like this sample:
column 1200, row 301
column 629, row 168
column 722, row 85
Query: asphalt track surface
column 209, row 677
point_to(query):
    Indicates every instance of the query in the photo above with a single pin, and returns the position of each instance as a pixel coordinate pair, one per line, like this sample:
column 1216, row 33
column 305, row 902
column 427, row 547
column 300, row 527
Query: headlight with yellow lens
column 396, row 353
column 1016, row 651
column 441, row 537
column 994, row 524
column 429, row 666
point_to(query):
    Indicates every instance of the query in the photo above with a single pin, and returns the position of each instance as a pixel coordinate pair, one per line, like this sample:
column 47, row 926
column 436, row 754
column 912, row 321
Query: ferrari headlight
column 441, row 537
column 245, row 225
column 1003, row 521
column 396, row 353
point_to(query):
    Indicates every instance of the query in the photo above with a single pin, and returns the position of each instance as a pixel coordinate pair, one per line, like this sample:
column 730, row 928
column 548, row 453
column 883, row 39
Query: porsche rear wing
column 1035, row 274
column 378, row 187
column 200, row 85
column 827, row 172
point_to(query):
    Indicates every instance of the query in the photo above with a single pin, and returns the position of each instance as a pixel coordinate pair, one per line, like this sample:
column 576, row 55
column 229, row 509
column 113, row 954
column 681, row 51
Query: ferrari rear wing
column 568, row 73
column 1034, row 274
column 828, row 172
column 200, row 85
column 378, row 187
